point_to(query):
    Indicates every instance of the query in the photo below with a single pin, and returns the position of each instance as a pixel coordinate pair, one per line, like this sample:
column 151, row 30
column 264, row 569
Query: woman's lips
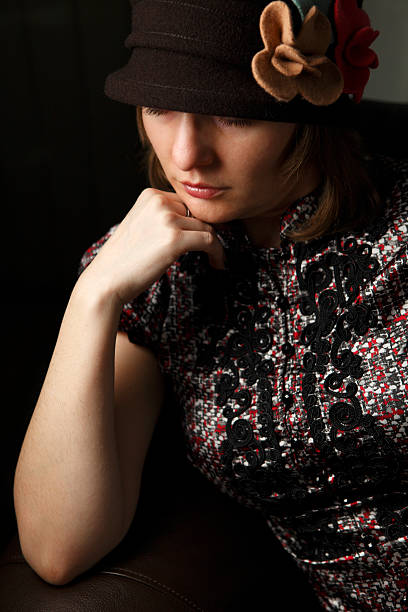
column 204, row 193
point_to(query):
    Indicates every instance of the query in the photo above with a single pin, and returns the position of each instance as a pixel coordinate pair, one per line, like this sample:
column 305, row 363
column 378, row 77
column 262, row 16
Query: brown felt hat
column 300, row 61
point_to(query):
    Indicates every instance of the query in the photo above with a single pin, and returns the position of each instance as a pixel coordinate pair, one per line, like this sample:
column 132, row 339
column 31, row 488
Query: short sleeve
column 142, row 318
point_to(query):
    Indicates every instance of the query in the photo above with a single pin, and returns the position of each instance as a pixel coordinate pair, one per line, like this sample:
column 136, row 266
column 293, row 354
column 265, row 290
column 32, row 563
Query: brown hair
column 348, row 197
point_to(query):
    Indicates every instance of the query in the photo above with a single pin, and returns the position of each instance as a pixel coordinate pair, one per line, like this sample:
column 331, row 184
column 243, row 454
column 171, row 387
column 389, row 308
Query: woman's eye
column 223, row 120
column 237, row 122
column 153, row 111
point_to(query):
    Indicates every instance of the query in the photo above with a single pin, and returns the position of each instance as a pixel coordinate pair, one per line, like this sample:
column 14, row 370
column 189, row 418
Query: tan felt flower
column 289, row 66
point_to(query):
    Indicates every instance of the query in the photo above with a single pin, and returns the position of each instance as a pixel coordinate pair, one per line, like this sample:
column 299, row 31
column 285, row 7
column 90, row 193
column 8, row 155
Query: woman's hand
column 154, row 233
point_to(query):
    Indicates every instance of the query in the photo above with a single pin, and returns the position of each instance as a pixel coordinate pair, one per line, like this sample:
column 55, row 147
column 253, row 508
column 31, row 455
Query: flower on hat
column 352, row 53
column 288, row 66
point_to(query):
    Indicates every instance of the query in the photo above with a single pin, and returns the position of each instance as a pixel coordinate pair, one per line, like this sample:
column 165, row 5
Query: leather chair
column 190, row 547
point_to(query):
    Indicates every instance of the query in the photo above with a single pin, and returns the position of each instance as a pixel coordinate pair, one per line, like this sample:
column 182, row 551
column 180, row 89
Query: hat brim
column 161, row 79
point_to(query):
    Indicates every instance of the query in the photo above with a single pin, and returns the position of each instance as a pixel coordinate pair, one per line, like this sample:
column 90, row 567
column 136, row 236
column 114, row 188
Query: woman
column 264, row 272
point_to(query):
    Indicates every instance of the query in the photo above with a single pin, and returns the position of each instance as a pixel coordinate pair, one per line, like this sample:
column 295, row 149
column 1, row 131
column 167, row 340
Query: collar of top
column 233, row 235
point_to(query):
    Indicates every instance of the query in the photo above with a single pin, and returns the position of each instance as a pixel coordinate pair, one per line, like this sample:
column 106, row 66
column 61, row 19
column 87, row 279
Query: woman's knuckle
column 210, row 237
column 160, row 197
column 173, row 235
column 168, row 217
column 149, row 192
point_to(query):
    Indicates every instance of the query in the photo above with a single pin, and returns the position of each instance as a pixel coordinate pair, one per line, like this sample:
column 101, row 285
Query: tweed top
column 289, row 371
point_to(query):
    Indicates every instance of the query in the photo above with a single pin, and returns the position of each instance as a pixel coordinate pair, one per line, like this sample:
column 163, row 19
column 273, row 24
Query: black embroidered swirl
column 239, row 338
column 263, row 472
column 355, row 456
column 358, row 460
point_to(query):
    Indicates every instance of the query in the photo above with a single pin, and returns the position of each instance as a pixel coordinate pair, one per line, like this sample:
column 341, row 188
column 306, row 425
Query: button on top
column 284, row 250
column 287, row 399
column 285, row 254
column 298, row 445
column 288, row 350
column 283, row 302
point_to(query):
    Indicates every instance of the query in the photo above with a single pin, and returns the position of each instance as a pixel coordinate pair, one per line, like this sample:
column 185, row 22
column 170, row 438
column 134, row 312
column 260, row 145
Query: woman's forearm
column 69, row 486
column 67, row 489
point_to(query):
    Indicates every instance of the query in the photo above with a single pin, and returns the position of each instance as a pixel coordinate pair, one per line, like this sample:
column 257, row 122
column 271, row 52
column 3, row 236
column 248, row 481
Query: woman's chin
column 211, row 212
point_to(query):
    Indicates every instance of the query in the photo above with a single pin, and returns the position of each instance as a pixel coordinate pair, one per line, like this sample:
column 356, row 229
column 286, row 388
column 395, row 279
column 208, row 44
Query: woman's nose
column 192, row 143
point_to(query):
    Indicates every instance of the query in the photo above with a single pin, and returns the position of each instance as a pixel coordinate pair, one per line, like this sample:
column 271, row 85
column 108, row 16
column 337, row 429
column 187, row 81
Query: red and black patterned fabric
column 289, row 369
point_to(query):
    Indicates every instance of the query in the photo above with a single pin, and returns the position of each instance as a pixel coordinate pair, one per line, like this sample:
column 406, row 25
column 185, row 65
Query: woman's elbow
column 54, row 572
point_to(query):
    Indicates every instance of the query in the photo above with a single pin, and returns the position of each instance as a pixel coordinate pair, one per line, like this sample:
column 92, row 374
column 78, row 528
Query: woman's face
column 243, row 157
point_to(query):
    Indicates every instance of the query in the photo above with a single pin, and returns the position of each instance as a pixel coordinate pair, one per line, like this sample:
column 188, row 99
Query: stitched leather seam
column 151, row 582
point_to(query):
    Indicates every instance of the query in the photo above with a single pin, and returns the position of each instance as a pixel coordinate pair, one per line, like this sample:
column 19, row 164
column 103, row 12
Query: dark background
column 69, row 169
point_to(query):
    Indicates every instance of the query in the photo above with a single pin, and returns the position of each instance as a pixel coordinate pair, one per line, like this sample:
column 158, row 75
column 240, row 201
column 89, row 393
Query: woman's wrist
column 97, row 294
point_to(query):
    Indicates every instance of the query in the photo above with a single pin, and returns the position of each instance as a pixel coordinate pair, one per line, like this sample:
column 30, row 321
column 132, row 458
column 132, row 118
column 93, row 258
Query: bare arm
column 78, row 475
column 77, row 479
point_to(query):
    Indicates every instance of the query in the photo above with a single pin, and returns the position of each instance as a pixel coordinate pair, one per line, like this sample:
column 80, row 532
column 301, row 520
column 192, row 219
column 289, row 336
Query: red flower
column 353, row 54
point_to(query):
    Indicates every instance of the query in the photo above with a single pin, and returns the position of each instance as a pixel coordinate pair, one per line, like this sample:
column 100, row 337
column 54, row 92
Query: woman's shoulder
column 390, row 176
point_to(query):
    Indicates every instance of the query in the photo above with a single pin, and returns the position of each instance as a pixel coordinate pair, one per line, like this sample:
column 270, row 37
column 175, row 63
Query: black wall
column 68, row 163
